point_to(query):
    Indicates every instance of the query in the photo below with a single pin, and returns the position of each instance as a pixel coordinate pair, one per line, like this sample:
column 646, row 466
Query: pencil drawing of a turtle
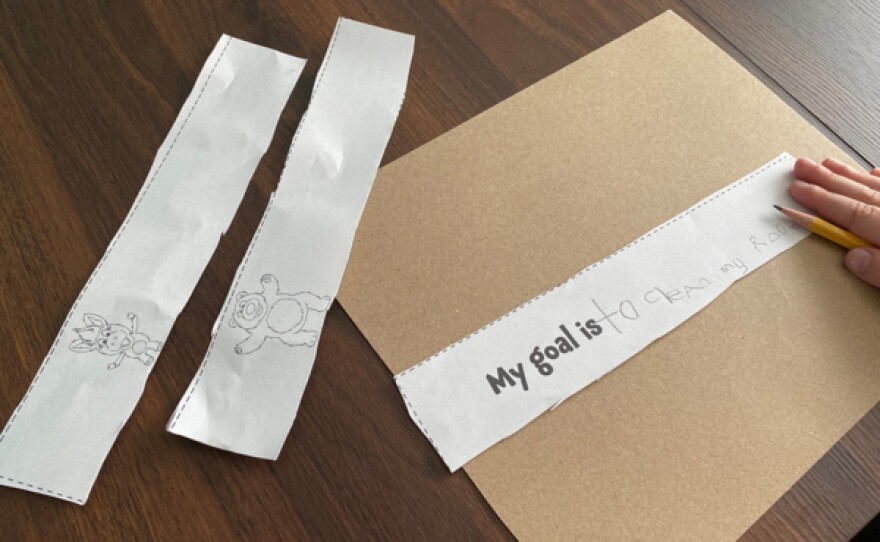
column 272, row 314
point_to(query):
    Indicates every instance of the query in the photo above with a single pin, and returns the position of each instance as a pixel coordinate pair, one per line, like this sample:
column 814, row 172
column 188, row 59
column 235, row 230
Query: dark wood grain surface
column 87, row 93
column 826, row 54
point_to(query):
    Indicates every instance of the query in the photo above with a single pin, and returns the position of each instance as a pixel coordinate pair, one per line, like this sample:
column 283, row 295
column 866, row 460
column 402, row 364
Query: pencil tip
column 778, row 208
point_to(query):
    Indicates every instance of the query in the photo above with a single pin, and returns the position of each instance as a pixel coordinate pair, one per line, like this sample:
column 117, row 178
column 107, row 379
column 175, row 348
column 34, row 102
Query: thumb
column 865, row 264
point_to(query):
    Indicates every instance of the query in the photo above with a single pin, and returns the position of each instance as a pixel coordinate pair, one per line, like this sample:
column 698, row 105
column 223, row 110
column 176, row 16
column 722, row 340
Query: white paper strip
column 492, row 383
column 86, row 388
column 247, row 391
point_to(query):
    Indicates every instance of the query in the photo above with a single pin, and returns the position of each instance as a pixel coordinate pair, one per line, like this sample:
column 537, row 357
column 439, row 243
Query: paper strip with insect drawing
column 248, row 389
column 86, row 388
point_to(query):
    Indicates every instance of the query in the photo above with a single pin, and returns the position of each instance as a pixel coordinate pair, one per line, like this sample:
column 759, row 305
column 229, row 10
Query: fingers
column 840, row 178
column 855, row 174
column 854, row 215
column 848, row 197
column 865, row 264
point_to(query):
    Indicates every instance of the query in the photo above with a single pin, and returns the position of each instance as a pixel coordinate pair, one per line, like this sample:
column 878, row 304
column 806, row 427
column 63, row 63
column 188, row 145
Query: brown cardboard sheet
column 696, row 436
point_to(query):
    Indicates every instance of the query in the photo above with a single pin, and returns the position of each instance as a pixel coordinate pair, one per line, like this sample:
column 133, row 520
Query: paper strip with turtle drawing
column 248, row 389
column 94, row 374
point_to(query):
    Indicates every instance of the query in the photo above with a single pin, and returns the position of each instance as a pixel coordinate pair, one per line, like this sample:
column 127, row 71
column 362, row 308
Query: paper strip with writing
column 246, row 393
column 86, row 388
column 493, row 382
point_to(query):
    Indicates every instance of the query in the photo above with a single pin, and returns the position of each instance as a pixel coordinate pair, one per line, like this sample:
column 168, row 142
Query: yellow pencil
column 824, row 228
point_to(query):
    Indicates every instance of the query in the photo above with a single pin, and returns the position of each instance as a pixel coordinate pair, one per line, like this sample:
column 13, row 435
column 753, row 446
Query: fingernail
column 800, row 184
column 834, row 161
column 807, row 161
column 858, row 261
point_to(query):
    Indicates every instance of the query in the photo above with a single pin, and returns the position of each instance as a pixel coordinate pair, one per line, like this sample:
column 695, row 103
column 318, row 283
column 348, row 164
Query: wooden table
column 88, row 91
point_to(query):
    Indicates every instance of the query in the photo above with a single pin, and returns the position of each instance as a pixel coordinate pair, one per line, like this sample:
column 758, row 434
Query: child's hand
column 849, row 198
